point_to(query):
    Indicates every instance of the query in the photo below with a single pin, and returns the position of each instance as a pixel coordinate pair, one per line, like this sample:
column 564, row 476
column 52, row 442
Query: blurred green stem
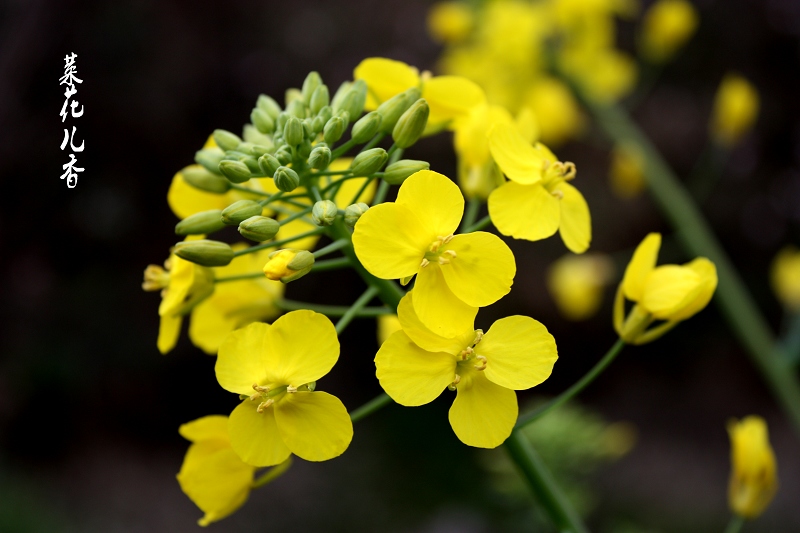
column 735, row 525
column 791, row 339
column 697, row 238
column 707, row 171
column 473, row 208
column 370, row 407
column 542, row 484
column 357, row 306
column 271, row 474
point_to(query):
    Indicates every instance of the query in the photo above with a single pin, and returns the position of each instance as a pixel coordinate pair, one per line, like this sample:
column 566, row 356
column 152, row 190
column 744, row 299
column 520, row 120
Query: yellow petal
column 451, row 97
column 483, row 413
column 205, row 428
column 185, row 200
column 642, row 263
column 387, row 324
column 303, row 347
column 437, row 307
column 390, row 242
column 482, row 271
column 524, row 211
column 520, row 352
column 314, row 425
column 518, row 160
column 434, row 199
column 410, row 375
column 753, row 480
column 350, row 187
column 576, row 223
column 708, row 284
column 427, row 339
column 669, row 289
column 169, row 329
column 243, row 359
column 255, row 437
column 385, row 78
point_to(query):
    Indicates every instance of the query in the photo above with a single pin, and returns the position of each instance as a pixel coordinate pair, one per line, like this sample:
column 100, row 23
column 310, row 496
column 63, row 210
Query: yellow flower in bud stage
column 754, row 480
column 415, row 235
column 450, row 22
column 275, row 369
column 387, row 324
column 576, row 283
column 288, row 264
column 415, row 365
column 627, row 171
column 786, row 278
column 666, row 27
column 668, row 293
column 449, row 97
column 735, row 110
column 212, row 475
column 537, row 201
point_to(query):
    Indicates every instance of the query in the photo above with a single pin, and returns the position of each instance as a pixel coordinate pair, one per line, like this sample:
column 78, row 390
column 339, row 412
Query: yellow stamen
column 290, row 389
column 263, row 405
column 483, row 361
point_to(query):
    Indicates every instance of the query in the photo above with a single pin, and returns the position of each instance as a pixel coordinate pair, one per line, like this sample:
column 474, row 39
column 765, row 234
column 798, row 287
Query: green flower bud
column 288, row 264
column 411, row 124
column 257, row 150
column 366, row 127
column 324, row 213
column 269, row 106
column 394, row 107
column 326, row 113
column 345, row 116
column 350, row 103
column 240, row 211
column 248, row 149
column 304, row 150
column 286, row 179
column 319, row 99
column 310, row 84
column 297, row 109
column 202, row 179
column 268, row 164
column 317, row 124
column 341, row 92
column 284, row 155
column 209, row 158
column 293, row 132
column 397, row 172
column 369, row 161
column 333, row 130
column 262, row 121
column 236, row 171
column 227, row 140
column 252, row 135
column 280, row 123
column 308, row 128
column 204, row 252
column 354, row 212
column 292, row 94
column 320, row 157
column 200, row 223
column 250, row 162
column 259, row 228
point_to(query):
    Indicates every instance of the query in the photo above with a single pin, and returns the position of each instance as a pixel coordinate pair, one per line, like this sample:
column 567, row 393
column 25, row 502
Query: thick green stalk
column 696, row 236
column 543, row 485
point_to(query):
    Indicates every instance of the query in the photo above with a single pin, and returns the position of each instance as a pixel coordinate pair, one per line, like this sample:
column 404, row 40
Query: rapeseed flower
column 627, row 171
column 786, row 278
column 735, row 110
column 666, row 27
column 576, row 283
column 754, row 479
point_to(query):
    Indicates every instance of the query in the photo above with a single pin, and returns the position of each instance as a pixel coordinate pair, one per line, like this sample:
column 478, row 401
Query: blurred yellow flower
column 735, row 110
column 754, row 480
column 666, row 27
column 576, row 283
column 627, row 171
column 450, row 22
column 557, row 112
column 786, row 278
column 387, row 324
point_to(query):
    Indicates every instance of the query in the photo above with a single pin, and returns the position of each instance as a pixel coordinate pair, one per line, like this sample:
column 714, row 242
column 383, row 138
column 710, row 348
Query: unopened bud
column 200, row 223
column 304, row 150
column 393, row 108
column 293, row 132
column 352, row 103
column 268, row 105
column 317, row 124
column 411, row 124
column 286, row 179
column 236, row 171
column 319, row 99
column 280, row 123
column 240, row 211
column 310, row 84
column 200, row 178
column 326, row 113
column 397, row 172
column 259, row 228
column 209, row 158
column 262, row 121
column 284, row 155
column 308, row 128
column 288, row 265
column 204, row 252
column 324, row 213
column 297, row 108
column 268, row 164
column 341, row 92
column 354, row 212
column 367, row 126
column 334, row 130
column 226, row 140
column 369, row 161
column 320, row 157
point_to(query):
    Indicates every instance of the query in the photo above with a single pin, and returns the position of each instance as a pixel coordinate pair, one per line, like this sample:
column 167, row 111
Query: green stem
column 329, row 172
column 370, row 407
column 271, row 198
column 543, row 485
column 575, row 389
column 331, row 264
column 249, row 190
column 374, row 141
column 735, row 525
column 275, row 244
column 361, row 190
column 359, row 304
column 272, row 474
column 395, row 154
column 473, row 208
column 332, row 247
column 239, row 277
column 341, row 150
column 331, row 310
column 479, row 225
column 791, row 339
column 707, row 171
column 392, row 149
column 295, row 216
column 380, row 196
column 694, row 233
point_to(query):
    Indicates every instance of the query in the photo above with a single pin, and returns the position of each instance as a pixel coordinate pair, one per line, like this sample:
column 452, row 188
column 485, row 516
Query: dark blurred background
column 89, row 410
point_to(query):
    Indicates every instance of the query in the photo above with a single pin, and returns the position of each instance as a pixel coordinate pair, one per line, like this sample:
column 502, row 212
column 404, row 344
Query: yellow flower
column 576, row 283
column 786, row 278
column 627, row 171
column 212, row 475
column 558, row 113
column 387, row 324
column 449, row 97
column 275, row 369
column 669, row 293
column 735, row 109
column 537, row 201
column 754, row 478
column 415, row 365
column 666, row 27
column 288, row 264
column 450, row 22
column 415, row 235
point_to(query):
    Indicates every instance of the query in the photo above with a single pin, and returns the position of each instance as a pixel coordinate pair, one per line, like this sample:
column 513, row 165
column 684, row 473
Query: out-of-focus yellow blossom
column 537, row 201
column 387, row 324
column 576, row 283
column 667, row 26
column 415, row 235
column 668, row 293
column 212, row 475
column 450, row 22
column 449, row 97
column 183, row 285
column 275, row 369
column 754, row 479
column 735, row 110
column 604, row 75
column 786, row 278
column 415, row 365
column 627, row 171
column 557, row 112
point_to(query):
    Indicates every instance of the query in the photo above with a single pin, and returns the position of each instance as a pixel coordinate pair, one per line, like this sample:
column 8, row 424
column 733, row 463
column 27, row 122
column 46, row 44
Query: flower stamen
column 483, row 362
